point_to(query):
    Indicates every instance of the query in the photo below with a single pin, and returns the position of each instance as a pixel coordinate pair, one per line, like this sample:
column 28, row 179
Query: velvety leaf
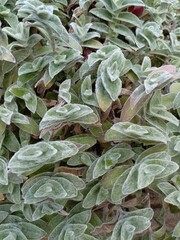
column 11, row 142
column 95, row 196
column 176, row 231
column 108, row 160
column 64, row 91
column 30, row 158
column 173, row 198
column 129, row 18
column 75, row 113
column 3, row 171
column 129, row 131
column 102, row 13
column 130, row 225
column 5, row 115
column 21, row 230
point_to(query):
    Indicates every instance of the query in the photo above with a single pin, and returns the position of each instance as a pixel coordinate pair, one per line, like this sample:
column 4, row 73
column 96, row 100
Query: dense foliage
column 89, row 119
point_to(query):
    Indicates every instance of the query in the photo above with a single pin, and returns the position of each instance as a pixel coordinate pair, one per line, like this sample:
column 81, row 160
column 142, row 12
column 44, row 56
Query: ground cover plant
column 89, row 119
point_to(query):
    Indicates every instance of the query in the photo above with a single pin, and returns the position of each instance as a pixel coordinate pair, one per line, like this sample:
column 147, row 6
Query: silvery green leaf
column 166, row 187
column 78, row 182
column 14, row 194
column 108, row 83
column 46, row 208
column 37, row 65
column 126, row 227
column 173, row 198
column 76, row 113
column 43, row 16
column 100, row 27
column 129, row 131
column 84, row 140
column 92, row 43
column 26, row 124
column 102, row 14
column 44, row 187
column 11, row 142
column 103, row 98
column 125, row 4
column 95, row 196
column 18, row 32
column 21, row 230
column 6, row 55
column 84, row 4
column 84, row 158
column 146, row 64
column 159, row 78
column 143, row 174
column 117, row 194
column 134, row 103
column 128, row 17
column 176, row 231
column 82, row 32
column 62, row 60
column 20, row 118
column 176, row 102
column 76, row 216
column 87, row 94
column 32, row 157
column 74, row 231
column 3, row 215
column 3, row 171
column 158, row 110
column 64, row 89
column 102, row 54
column 41, row 108
column 5, row 115
column 176, row 181
column 125, row 31
column 110, row 159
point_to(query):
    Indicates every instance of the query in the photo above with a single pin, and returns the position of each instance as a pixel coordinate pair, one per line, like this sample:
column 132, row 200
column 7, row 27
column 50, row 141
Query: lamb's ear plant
column 89, row 119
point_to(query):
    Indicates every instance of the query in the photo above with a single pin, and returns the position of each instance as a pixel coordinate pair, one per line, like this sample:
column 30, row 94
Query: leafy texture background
column 89, row 119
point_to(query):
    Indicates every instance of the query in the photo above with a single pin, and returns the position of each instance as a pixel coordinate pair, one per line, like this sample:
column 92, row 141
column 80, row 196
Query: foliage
column 89, row 119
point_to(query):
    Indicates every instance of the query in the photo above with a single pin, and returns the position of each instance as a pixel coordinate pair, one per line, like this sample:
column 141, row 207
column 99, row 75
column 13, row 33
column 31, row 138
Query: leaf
column 173, row 198
column 129, row 131
column 95, row 196
column 92, row 43
column 85, row 140
column 21, row 230
column 102, row 13
column 108, row 160
column 87, row 94
column 131, row 224
column 46, row 208
column 159, row 78
column 11, row 142
column 3, row 171
column 129, row 18
column 27, row 95
column 75, row 113
column 6, row 55
column 32, row 157
column 5, row 115
column 166, row 187
column 84, row 158
column 176, row 231
column 108, row 84
column 26, row 124
column 44, row 187
column 64, row 89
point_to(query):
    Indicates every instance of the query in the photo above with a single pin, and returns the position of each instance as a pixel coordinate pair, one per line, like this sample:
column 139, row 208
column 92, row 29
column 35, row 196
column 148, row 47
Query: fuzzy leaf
column 32, row 157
